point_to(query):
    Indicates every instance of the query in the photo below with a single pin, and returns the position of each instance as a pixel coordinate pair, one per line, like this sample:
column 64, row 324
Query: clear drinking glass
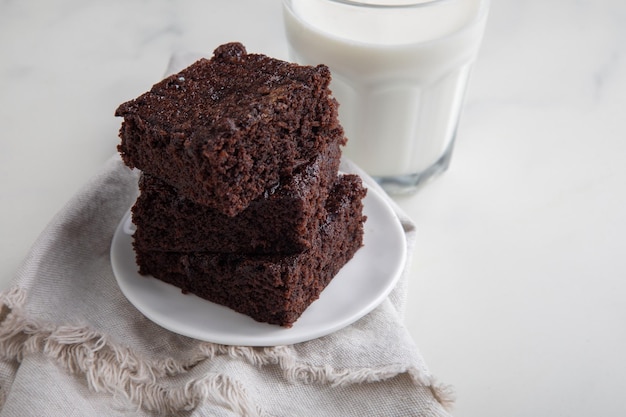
column 400, row 71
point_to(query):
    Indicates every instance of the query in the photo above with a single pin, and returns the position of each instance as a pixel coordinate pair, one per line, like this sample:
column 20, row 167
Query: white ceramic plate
column 360, row 286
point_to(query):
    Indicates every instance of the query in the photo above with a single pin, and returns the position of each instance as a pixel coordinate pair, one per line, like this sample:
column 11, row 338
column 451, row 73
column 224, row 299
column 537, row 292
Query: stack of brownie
column 241, row 202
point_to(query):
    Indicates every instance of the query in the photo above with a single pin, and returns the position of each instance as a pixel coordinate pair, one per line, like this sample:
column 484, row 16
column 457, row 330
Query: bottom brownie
column 270, row 288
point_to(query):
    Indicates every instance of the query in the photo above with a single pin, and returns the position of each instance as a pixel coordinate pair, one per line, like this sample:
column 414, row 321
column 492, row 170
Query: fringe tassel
column 119, row 371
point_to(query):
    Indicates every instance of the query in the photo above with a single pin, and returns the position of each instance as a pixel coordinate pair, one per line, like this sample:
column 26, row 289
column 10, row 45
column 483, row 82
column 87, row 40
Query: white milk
column 399, row 75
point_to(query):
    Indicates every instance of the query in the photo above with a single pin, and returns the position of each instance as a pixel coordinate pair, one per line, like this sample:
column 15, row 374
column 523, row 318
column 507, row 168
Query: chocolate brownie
column 225, row 129
column 282, row 220
column 270, row 288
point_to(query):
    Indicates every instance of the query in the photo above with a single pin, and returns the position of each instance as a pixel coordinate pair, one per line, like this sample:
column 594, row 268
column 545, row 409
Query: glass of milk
column 400, row 70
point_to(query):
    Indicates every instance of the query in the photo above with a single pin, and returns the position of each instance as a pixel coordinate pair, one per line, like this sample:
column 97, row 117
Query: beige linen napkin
column 72, row 345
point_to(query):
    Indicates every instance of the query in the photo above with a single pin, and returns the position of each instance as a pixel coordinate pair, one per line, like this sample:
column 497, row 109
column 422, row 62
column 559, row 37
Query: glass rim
column 398, row 5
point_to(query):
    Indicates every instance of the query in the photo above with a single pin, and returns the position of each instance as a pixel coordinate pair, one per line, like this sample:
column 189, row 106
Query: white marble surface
column 519, row 274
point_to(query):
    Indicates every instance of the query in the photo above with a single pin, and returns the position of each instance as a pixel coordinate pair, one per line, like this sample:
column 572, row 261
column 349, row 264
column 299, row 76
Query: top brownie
column 225, row 129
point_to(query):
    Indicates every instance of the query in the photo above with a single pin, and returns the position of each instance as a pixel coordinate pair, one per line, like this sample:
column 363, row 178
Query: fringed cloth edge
column 109, row 367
